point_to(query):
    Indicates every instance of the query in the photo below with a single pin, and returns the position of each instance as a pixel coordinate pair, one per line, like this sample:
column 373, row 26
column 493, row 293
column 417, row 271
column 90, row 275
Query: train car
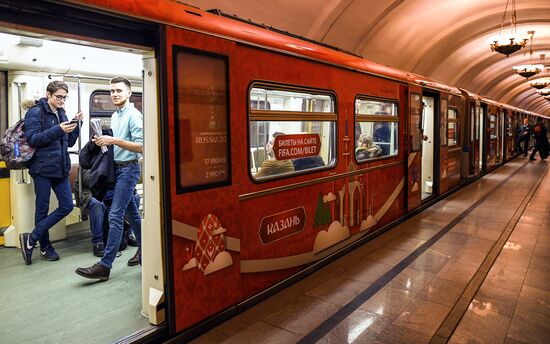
column 265, row 155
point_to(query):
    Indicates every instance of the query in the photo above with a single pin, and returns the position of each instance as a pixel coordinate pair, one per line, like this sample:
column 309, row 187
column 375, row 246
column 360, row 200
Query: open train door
column 414, row 162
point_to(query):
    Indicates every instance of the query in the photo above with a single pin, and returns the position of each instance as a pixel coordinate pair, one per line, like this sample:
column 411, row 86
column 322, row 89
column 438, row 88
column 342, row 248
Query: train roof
column 220, row 24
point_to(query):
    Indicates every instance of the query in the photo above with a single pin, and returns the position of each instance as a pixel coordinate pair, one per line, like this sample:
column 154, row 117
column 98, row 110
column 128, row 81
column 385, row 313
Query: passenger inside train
column 378, row 122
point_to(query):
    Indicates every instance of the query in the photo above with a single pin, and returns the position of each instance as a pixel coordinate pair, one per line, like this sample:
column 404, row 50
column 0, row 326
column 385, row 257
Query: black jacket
column 101, row 168
column 43, row 132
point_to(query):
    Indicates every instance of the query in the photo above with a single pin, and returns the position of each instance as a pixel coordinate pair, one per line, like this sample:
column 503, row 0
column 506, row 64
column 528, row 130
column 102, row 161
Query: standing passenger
column 127, row 126
column 541, row 141
column 48, row 130
column 525, row 135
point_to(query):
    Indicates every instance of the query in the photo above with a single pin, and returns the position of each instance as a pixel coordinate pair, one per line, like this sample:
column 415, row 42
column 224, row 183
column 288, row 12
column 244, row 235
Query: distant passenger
column 541, row 141
column 272, row 166
column 50, row 132
column 382, row 133
column 127, row 139
column 366, row 149
column 308, row 162
column 525, row 135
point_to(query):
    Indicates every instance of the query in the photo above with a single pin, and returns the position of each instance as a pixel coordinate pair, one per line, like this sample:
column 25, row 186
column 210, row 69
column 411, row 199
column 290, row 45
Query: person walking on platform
column 541, row 141
column 525, row 135
column 48, row 130
column 127, row 126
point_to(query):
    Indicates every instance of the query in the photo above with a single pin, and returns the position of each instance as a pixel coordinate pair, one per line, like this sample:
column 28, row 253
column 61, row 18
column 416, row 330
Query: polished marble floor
column 473, row 268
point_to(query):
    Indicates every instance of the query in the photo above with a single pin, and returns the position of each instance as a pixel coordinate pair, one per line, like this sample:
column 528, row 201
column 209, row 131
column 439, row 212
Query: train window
column 262, row 98
column 416, row 128
column 493, row 126
column 452, row 127
column 443, row 122
column 291, row 130
column 101, row 104
column 376, row 128
column 201, row 120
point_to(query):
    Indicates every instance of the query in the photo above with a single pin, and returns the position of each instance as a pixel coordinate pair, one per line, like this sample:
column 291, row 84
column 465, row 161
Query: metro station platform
column 472, row 268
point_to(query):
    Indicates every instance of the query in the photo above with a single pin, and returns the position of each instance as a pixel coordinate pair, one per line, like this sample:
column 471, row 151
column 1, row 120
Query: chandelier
column 528, row 70
column 513, row 43
column 540, row 83
column 544, row 92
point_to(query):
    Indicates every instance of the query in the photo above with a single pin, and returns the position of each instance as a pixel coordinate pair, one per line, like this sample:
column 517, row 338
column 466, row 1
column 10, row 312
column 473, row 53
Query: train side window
column 201, row 114
column 376, row 128
column 452, row 127
column 493, row 126
column 101, row 105
column 291, row 130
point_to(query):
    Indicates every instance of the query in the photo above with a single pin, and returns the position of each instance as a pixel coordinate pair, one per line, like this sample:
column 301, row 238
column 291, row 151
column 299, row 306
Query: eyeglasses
column 60, row 97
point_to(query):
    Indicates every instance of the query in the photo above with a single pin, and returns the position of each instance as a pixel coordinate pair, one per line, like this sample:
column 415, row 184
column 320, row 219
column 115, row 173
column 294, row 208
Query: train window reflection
column 376, row 129
column 452, row 127
column 283, row 100
column 101, row 104
column 291, row 131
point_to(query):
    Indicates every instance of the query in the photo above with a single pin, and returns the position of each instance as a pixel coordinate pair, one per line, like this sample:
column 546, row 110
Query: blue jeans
column 123, row 204
column 97, row 219
column 42, row 221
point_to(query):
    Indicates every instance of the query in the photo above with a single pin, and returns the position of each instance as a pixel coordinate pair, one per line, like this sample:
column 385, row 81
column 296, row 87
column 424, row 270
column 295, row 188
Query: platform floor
column 46, row 302
column 473, row 268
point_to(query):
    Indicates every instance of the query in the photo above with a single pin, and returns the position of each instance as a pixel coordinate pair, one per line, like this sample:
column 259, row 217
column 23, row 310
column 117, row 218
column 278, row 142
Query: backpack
column 15, row 151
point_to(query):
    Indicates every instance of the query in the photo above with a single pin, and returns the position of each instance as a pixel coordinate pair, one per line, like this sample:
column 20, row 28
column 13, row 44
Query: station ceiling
column 447, row 40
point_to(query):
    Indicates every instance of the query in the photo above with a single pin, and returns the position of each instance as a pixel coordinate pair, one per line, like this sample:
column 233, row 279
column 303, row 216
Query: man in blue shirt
column 127, row 141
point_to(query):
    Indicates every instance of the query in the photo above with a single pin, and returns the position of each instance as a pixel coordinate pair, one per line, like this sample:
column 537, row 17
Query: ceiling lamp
column 540, row 83
column 528, row 70
column 512, row 43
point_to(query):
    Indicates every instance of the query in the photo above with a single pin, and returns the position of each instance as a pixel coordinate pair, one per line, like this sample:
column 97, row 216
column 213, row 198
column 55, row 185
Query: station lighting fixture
column 528, row 70
column 512, row 43
column 540, row 83
column 544, row 92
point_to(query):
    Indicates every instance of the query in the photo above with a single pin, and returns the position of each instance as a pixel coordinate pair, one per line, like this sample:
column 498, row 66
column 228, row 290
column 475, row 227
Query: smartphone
column 74, row 121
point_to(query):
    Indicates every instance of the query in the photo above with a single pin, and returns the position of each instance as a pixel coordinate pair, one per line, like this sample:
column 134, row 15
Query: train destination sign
column 294, row 146
column 282, row 225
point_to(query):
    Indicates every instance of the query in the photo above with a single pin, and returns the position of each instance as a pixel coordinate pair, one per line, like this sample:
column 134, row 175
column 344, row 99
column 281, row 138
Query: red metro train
column 275, row 154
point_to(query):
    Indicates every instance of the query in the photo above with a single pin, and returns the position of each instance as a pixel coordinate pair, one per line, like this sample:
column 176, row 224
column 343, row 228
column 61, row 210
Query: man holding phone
column 49, row 131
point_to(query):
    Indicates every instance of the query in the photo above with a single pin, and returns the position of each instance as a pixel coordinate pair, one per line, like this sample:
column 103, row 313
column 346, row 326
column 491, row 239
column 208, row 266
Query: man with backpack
column 541, row 141
column 48, row 130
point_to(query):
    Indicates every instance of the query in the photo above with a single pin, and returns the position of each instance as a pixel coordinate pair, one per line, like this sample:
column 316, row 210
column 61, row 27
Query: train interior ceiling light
column 509, row 42
column 530, row 69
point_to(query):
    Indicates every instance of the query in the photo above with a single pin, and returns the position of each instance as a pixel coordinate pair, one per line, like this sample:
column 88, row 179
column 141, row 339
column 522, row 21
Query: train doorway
column 428, row 124
column 49, row 294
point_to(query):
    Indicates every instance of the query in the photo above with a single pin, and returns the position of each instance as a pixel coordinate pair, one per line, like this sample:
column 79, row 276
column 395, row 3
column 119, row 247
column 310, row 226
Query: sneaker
column 96, row 271
column 49, row 253
column 99, row 250
column 27, row 245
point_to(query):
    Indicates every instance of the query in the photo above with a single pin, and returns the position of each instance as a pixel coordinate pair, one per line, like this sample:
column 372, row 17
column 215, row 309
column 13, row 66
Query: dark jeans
column 97, row 211
column 123, row 204
column 525, row 146
column 97, row 218
column 42, row 221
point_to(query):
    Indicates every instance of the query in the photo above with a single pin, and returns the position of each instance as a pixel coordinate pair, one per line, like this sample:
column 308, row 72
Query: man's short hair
column 54, row 86
column 123, row 80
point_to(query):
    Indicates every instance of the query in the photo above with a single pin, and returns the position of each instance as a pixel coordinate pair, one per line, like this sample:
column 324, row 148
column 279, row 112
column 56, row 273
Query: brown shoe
column 136, row 259
column 96, row 271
